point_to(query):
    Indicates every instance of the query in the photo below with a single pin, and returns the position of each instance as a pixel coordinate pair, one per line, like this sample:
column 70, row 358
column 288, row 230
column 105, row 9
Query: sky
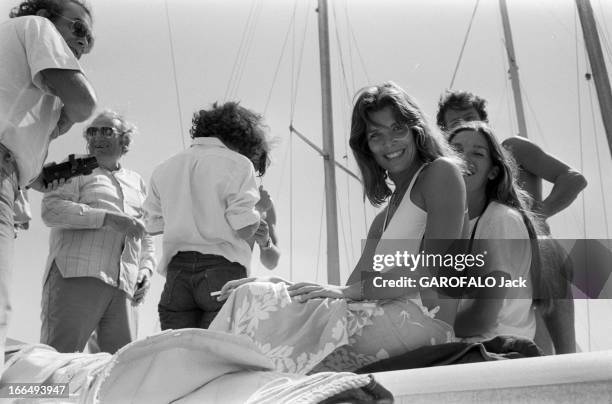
column 158, row 68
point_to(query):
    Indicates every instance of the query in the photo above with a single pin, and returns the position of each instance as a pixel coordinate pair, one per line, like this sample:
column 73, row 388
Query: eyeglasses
column 80, row 29
column 104, row 131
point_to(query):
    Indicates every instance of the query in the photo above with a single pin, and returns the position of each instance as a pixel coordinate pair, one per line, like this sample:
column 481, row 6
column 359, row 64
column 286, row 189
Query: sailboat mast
column 598, row 65
column 333, row 259
column 514, row 75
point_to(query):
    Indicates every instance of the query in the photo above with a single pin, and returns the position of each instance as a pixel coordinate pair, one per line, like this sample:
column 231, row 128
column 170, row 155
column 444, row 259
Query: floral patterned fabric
column 326, row 334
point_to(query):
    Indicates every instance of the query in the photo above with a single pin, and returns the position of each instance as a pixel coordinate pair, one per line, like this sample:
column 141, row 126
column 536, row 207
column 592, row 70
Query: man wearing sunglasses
column 100, row 260
column 43, row 91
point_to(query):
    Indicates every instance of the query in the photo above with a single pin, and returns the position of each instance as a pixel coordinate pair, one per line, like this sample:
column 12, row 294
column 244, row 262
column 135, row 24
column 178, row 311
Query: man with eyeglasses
column 43, row 91
column 100, row 260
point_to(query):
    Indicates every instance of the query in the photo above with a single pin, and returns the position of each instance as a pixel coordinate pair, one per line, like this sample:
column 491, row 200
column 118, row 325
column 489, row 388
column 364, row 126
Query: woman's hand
column 304, row 291
column 229, row 287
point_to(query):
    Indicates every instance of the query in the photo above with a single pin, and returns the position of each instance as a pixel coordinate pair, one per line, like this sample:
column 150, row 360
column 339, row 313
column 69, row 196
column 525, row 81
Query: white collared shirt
column 28, row 111
column 199, row 198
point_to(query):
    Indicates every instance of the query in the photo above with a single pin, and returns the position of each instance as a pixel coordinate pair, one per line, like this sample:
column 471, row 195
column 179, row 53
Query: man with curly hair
column 535, row 164
column 204, row 201
column 100, row 260
column 43, row 91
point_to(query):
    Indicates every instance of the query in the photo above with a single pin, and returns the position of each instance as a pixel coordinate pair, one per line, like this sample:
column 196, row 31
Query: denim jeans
column 8, row 190
column 186, row 301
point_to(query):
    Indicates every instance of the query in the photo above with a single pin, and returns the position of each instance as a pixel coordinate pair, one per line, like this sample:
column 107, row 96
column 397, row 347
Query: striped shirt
column 80, row 246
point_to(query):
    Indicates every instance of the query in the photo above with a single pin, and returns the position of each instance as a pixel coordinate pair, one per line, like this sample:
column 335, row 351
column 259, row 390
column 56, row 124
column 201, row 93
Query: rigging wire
column 346, row 249
column 506, row 67
column 239, row 51
column 320, row 236
column 350, row 48
column 293, row 95
column 345, row 142
column 603, row 30
column 355, row 43
column 290, row 207
column 535, row 118
column 597, row 153
column 340, row 54
column 588, row 317
column 176, row 87
column 248, row 47
column 580, row 131
column 505, row 97
column 296, row 82
column 280, row 58
column 467, row 35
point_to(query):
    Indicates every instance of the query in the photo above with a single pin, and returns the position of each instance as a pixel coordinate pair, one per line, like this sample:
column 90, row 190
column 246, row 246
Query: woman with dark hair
column 307, row 327
column 502, row 225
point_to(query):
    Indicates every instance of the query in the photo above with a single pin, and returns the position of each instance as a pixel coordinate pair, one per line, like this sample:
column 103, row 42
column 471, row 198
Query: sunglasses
column 80, row 30
column 104, row 131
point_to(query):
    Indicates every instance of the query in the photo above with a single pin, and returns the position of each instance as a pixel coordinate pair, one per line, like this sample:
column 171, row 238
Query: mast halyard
column 333, row 259
column 598, row 65
column 514, row 75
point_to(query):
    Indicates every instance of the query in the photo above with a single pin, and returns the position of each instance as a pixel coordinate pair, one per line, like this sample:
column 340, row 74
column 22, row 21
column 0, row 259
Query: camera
column 68, row 169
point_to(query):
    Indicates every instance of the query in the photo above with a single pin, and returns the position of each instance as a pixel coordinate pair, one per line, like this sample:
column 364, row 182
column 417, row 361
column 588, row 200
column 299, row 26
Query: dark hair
column 459, row 101
column 239, row 128
column 126, row 129
column 505, row 189
column 429, row 141
column 54, row 7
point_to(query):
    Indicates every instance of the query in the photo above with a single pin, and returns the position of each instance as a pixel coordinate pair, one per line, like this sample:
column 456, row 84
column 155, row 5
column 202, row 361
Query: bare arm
column 567, row 182
column 270, row 255
column 365, row 261
column 444, row 194
column 247, row 232
column 74, row 90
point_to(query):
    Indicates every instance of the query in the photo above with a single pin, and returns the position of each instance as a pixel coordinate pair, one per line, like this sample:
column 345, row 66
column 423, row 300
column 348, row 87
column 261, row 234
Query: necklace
column 398, row 196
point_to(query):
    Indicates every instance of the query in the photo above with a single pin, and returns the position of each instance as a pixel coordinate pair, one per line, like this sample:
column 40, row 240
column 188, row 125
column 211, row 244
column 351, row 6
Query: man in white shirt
column 100, row 260
column 43, row 91
column 204, row 201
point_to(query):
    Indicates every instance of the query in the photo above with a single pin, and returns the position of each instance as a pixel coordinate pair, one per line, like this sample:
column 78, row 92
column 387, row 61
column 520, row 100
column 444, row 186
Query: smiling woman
column 307, row 326
column 501, row 224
